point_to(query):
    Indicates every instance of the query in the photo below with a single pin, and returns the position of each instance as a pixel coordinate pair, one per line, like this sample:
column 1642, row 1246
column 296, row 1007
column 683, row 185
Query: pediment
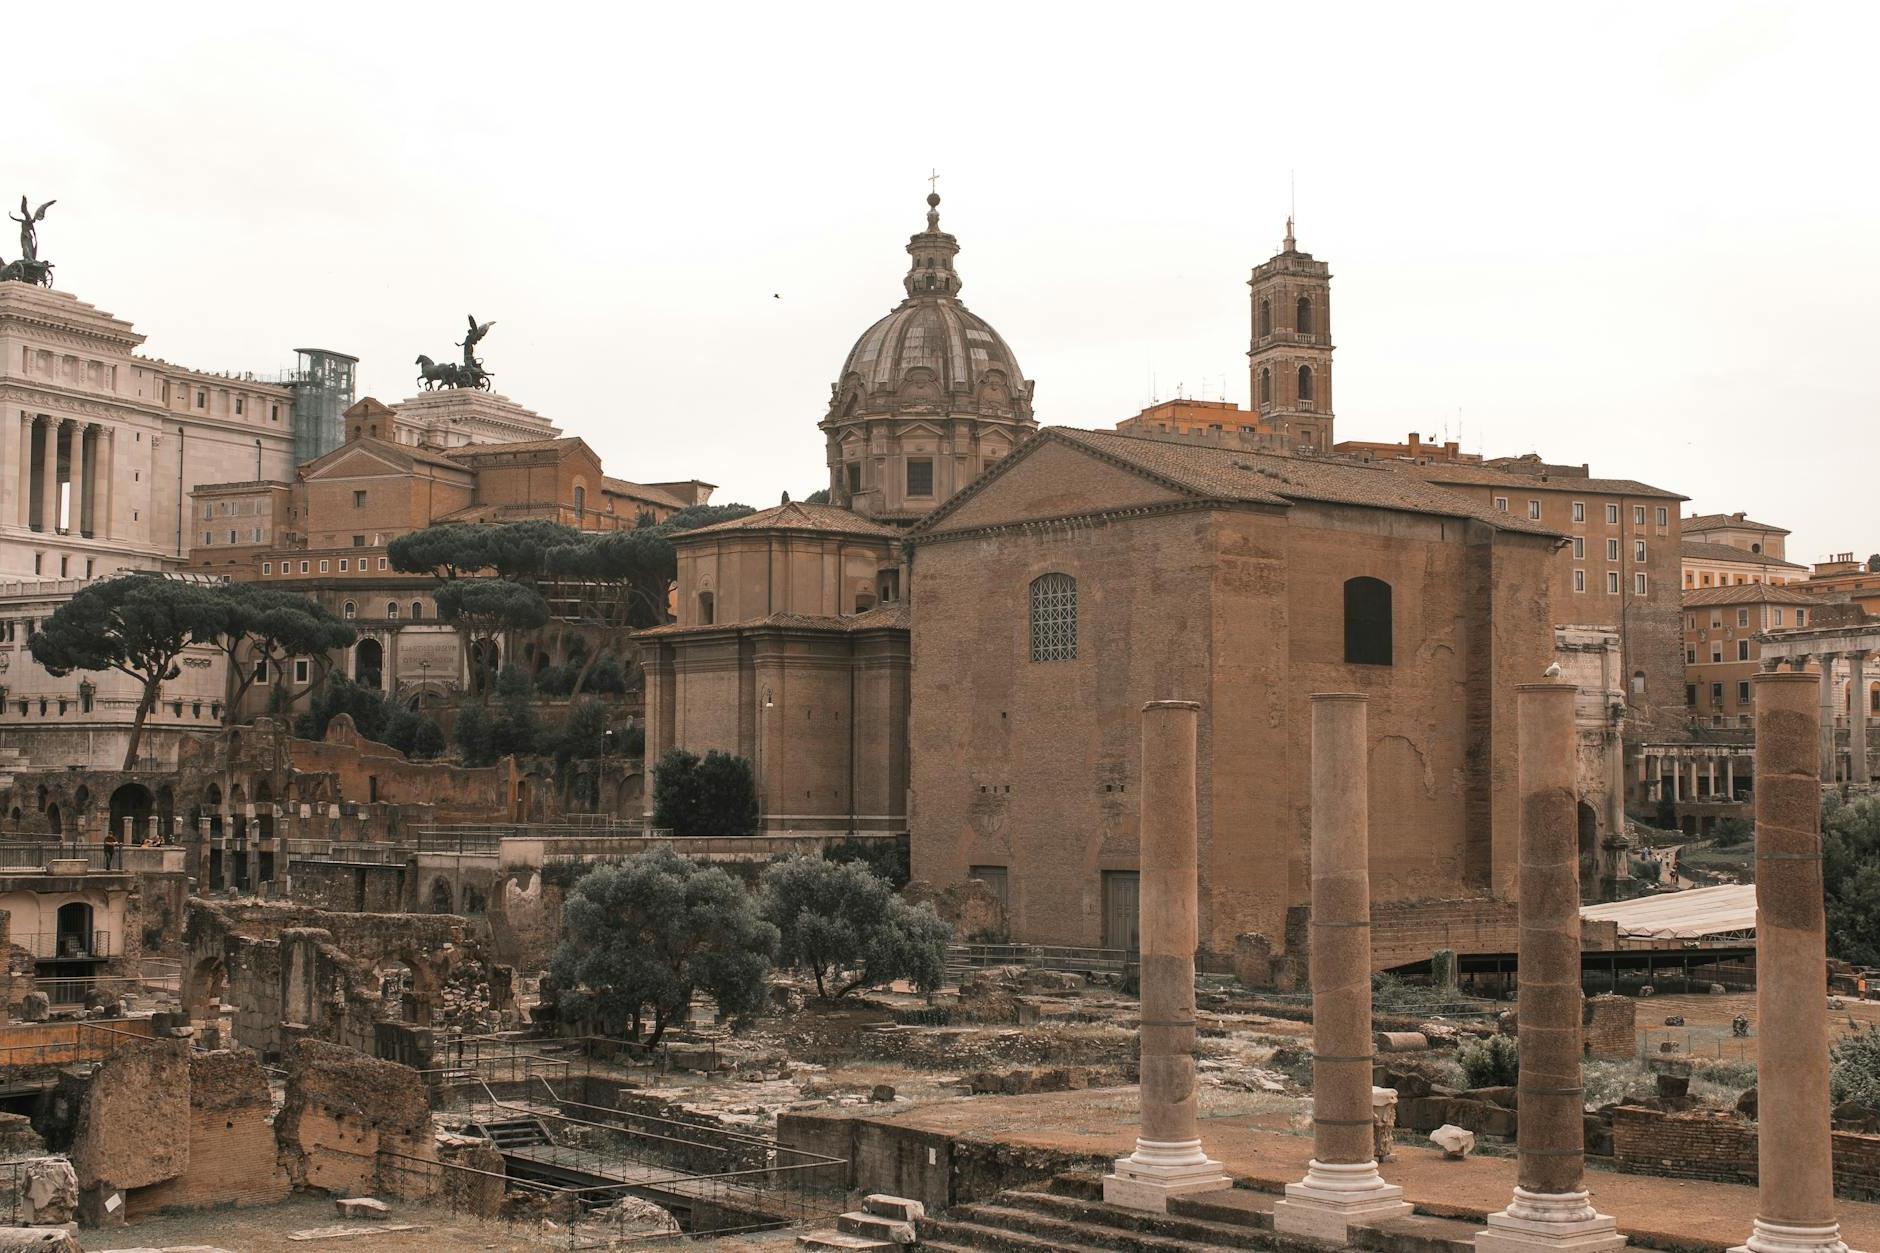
column 352, row 461
column 1049, row 478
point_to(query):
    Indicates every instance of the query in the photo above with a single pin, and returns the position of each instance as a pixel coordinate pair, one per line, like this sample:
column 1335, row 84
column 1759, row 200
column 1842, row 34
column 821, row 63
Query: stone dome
column 931, row 354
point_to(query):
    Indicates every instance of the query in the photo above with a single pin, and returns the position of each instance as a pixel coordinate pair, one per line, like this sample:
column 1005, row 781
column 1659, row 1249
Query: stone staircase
column 884, row 1224
column 1070, row 1216
column 514, row 1133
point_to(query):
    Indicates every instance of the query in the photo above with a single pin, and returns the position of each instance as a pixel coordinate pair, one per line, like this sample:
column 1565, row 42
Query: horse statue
column 434, row 374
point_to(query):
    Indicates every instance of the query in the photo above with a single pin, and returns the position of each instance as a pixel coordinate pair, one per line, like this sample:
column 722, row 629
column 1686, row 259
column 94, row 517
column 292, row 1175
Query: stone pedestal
column 1168, row 1160
column 1795, row 1168
column 1342, row 1185
column 1551, row 1208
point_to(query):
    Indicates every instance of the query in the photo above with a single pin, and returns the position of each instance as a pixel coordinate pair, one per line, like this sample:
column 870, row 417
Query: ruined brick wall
column 1723, row 1147
column 367, row 770
column 1611, row 1029
column 132, row 1124
column 354, row 1125
column 1409, row 931
column 349, row 888
column 231, row 1158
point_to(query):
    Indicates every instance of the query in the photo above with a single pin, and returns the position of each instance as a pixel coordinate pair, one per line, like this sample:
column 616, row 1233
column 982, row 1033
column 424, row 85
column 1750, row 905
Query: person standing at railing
column 110, row 850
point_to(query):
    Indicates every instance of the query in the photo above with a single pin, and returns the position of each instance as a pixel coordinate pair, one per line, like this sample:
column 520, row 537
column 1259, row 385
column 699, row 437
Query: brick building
column 1729, row 550
column 1092, row 572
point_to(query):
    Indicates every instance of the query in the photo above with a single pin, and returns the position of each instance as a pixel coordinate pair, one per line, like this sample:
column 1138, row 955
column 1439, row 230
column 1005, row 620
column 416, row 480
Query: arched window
column 1367, row 622
column 1638, row 683
column 391, row 610
column 706, row 608
column 1266, row 386
column 350, row 611
column 1305, row 385
column 1054, row 618
column 580, row 504
column 417, row 610
column 1266, row 317
column 1302, row 316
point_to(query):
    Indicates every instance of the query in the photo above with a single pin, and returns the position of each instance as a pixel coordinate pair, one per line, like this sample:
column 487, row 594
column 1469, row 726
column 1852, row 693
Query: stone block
column 38, row 1240
column 898, row 1208
column 361, row 1207
column 1455, row 1142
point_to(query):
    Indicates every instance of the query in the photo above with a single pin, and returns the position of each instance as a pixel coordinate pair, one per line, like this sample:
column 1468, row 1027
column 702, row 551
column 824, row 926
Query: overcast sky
column 1640, row 235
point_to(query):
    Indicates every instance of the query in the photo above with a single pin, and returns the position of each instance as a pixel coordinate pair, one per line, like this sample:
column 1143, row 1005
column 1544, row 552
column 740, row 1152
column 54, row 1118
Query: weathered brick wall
column 1033, row 766
column 1409, row 931
column 132, row 1124
column 347, row 888
column 231, row 1157
column 1722, row 1147
column 1611, row 1029
column 354, row 1125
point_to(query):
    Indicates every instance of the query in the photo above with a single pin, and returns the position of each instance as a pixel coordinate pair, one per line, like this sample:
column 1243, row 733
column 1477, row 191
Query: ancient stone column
column 1342, row 1185
column 1826, row 732
column 1857, row 716
column 1551, row 1208
column 1168, row 1160
column 49, row 479
column 1795, row 1168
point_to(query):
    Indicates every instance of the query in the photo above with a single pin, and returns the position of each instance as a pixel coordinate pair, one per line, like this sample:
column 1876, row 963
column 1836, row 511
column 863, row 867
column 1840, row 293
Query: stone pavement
column 1261, row 1151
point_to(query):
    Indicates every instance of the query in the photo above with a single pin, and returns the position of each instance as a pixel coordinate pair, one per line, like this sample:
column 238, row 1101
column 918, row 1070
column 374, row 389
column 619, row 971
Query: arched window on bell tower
column 1266, row 386
column 1305, row 386
column 1266, row 317
column 1302, row 319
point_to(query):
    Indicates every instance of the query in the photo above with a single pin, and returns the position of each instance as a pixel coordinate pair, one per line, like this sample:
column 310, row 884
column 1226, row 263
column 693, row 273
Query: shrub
column 844, row 924
column 1854, row 1068
column 887, row 858
column 713, row 795
column 1494, row 1062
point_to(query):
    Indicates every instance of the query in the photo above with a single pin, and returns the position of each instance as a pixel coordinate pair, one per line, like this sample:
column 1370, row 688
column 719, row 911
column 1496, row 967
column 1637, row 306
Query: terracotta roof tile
column 1234, row 474
column 1725, row 521
column 1704, row 550
column 1747, row 594
column 1489, row 476
column 796, row 516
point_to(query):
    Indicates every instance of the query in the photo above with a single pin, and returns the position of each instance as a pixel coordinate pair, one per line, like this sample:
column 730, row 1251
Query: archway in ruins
column 441, row 902
column 207, row 981
column 369, row 663
column 132, row 801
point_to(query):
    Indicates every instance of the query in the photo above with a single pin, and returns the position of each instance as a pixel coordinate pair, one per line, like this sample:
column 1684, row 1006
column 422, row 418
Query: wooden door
column 1122, row 910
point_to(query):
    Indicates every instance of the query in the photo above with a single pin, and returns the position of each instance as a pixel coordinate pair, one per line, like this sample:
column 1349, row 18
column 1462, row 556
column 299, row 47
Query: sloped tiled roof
column 1232, row 474
column 1489, row 476
column 797, row 516
column 1727, row 521
column 473, row 452
column 398, row 454
column 640, row 491
column 1704, row 550
column 1747, row 594
column 885, row 617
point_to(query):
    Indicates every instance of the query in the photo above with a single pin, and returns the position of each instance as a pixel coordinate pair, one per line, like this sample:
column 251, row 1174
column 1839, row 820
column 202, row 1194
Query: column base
column 1768, row 1237
column 1158, row 1170
column 1332, row 1197
column 1535, row 1221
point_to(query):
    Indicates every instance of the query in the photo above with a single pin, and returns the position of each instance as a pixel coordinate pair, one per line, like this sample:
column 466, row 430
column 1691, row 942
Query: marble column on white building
column 108, row 523
column 84, row 467
column 23, row 515
column 1857, row 715
column 49, row 479
column 1829, row 752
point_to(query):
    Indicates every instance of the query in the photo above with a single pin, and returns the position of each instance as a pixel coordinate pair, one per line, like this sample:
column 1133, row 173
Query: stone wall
column 356, row 1126
column 231, row 1158
column 1611, row 1030
column 349, row 887
column 1711, row 1145
column 132, row 1124
column 1409, row 931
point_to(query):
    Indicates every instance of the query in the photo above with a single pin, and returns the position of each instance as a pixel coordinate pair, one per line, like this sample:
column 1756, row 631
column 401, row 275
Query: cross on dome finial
column 933, row 251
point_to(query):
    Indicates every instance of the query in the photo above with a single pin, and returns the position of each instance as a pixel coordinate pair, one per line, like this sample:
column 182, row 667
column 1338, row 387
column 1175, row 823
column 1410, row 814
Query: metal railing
column 768, row 1185
column 1043, row 957
column 62, row 945
column 66, row 1043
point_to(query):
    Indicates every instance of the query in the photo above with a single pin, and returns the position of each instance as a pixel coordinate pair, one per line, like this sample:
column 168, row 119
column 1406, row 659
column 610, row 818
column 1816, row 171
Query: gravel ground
column 266, row 1229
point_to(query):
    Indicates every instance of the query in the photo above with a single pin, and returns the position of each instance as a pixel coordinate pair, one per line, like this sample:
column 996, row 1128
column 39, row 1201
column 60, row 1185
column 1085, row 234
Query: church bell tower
column 1290, row 357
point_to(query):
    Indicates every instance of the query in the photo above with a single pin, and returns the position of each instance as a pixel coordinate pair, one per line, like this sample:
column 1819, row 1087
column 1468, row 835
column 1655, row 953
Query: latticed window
column 1054, row 618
